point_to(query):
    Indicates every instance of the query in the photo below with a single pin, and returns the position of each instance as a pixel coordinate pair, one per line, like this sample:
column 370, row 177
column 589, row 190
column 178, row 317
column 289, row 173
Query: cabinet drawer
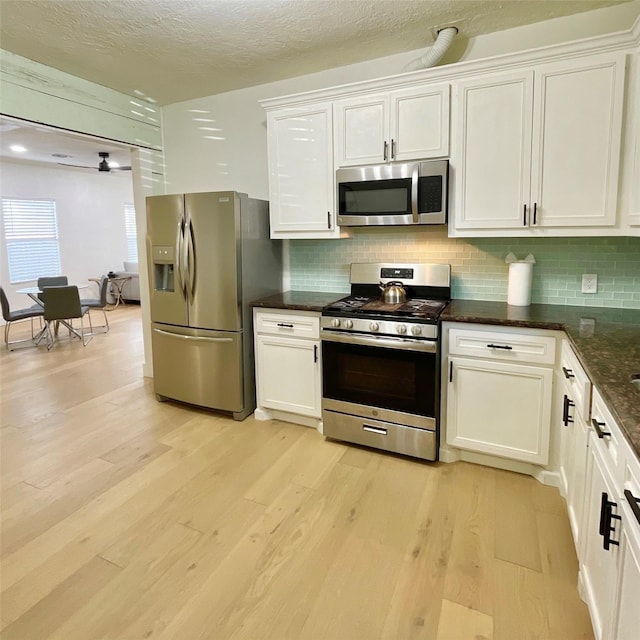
column 497, row 345
column 295, row 324
column 576, row 380
column 608, row 438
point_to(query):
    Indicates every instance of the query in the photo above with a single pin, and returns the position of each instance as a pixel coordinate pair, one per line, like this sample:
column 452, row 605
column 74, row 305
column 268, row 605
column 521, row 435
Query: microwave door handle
column 414, row 194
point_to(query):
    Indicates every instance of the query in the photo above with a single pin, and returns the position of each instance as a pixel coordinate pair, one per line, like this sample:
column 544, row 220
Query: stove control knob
column 402, row 329
column 416, row 330
column 374, row 326
column 335, row 322
column 348, row 324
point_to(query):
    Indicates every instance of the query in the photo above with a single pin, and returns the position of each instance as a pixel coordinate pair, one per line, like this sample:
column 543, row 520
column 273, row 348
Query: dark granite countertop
column 298, row 300
column 606, row 341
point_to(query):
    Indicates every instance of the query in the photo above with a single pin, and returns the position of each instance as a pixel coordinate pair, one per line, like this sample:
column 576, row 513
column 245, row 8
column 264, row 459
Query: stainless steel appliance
column 381, row 361
column 393, row 194
column 209, row 254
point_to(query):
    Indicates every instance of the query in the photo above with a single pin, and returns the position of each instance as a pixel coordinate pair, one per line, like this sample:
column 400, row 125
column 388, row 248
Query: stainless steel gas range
column 380, row 360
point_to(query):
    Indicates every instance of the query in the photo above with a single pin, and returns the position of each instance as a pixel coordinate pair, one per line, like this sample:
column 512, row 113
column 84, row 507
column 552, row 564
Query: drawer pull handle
column 284, row 324
column 606, row 516
column 634, row 503
column 598, row 427
column 568, row 403
column 500, row 346
column 378, row 430
column 568, row 373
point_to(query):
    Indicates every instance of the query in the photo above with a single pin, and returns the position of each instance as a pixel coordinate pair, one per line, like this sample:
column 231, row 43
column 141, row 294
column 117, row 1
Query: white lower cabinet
column 572, row 419
column 288, row 366
column 499, row 402
column 627, row 612
column 627, row 619
column 598, row 562
column 610, row 554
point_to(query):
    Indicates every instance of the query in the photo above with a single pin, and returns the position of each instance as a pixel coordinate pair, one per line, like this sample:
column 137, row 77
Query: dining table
column 33, row 293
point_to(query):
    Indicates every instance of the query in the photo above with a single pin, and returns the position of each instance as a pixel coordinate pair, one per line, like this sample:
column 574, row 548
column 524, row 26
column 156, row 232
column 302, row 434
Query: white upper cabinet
column 539, row 148
column 493, row 154
column 406, row 124
column 301, row 175
column 578, row 107
column 632, row 155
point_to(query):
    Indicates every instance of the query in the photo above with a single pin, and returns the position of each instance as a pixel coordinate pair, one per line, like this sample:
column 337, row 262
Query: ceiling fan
column 103, row 164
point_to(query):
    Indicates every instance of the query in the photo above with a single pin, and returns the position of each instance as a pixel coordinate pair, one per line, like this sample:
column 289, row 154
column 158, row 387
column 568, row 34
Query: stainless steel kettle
column 393, row 292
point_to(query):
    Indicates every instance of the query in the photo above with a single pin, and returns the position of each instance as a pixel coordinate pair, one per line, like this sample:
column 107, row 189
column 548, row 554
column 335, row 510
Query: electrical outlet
column 589, row 283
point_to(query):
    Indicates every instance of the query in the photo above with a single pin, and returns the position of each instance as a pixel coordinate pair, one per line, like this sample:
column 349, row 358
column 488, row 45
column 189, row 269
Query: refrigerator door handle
column 191, row 261
column 179, row 249
column 192, row 338
column 185, row 260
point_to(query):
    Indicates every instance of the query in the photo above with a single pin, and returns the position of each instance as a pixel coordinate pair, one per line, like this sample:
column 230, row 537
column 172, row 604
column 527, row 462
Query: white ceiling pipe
column 439, row 48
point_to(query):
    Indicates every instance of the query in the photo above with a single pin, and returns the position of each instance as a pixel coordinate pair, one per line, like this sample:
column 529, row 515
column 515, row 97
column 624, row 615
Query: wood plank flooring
column 127, row 518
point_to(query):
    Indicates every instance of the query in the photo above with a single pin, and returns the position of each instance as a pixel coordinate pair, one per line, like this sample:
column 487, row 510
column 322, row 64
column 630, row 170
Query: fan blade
column 76, row 166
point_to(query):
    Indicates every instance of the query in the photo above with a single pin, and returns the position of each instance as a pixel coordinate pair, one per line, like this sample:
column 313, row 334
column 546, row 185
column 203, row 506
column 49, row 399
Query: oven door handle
column 364, row 339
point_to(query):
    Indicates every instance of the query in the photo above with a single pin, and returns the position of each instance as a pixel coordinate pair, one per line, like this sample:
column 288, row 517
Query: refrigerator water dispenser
column 163, row 268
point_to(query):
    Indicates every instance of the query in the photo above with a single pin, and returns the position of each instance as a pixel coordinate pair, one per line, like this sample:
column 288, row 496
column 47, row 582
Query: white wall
column 219, row 142
column 90, row 211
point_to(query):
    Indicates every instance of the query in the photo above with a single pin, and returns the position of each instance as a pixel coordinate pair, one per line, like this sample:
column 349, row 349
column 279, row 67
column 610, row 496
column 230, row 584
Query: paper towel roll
column 519, row 289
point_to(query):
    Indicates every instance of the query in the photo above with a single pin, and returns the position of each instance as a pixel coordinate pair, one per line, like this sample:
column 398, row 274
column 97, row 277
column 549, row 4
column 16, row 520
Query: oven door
column 396, row 376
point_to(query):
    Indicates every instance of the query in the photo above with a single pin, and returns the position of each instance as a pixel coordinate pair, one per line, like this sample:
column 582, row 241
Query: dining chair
column 35, row 311
column 51, row 281
column 61, row 305
column 101, row 302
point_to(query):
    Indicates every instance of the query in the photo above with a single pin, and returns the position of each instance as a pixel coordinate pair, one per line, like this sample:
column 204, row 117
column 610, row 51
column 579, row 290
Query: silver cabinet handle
column 385, row 151
column 378, row 430
column 393, row 149
column 193, row 338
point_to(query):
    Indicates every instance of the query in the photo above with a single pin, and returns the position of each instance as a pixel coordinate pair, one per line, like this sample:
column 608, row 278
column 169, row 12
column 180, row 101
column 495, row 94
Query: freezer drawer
column 200, row 367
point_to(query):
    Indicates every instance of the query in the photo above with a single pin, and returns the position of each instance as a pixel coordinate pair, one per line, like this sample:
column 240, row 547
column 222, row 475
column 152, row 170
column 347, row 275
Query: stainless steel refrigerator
column 209, row 255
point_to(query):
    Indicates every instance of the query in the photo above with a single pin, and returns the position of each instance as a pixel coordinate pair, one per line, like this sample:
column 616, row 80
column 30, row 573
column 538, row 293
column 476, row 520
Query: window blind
column 31, row 234
column 130, row 229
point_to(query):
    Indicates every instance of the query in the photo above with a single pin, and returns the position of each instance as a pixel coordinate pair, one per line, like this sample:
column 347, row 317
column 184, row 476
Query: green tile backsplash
column 479, row 271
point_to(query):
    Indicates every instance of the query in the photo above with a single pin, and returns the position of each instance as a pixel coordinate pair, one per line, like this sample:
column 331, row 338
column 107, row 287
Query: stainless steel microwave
column 393, row 194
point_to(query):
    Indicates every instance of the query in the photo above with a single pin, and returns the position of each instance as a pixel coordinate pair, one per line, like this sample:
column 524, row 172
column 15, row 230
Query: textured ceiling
column 174, row 50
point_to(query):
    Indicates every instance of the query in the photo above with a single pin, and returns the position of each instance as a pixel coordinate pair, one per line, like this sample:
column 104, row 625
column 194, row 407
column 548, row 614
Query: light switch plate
column 589, row 283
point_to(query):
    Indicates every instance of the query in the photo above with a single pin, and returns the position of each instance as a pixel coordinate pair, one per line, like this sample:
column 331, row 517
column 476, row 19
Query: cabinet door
column 288, row 375
column 362, row 130
column 627, row 623
column 633, row 158
column 499, row 408
column 492, row 154
column 566, row 423
column 577, row 479
column 597, row 564
column 576, row 141
column 419, row 123
column 301, row 177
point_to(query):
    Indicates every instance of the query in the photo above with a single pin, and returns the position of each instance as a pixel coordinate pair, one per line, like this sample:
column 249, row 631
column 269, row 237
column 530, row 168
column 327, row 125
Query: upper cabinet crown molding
column 619, row 41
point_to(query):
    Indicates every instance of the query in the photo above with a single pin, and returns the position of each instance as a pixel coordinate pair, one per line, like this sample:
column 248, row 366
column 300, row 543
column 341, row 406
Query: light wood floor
column 125, row 518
